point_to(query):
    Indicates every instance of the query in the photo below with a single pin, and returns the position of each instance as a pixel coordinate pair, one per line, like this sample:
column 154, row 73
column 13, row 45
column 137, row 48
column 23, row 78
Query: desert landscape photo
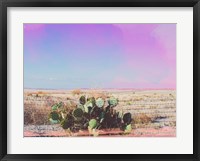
column 99, row 80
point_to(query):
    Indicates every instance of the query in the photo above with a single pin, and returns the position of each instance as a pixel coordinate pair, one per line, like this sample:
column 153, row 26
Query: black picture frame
column 4, row 4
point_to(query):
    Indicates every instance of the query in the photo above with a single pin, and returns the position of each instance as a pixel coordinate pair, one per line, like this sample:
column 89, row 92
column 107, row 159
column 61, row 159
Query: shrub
column 76, row 92
column 141, row 119
column 35, row 116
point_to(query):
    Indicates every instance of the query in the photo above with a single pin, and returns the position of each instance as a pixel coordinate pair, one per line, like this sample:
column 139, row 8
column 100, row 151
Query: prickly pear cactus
column 54, row 117
column 54, row 107
column 66, row 124
column 92, row 123
column 91, row 114
column 77, row 113
column 127, row 118
column 88, row 106
column 120, row 114
column 113, row 101
column 82, row 100
column 128, row 129
column 81, row 107
column 99, row 102
column 54, row 121
column 92, row 100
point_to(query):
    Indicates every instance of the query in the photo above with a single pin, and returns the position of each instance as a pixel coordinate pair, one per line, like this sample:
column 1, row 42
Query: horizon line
column 101, row 88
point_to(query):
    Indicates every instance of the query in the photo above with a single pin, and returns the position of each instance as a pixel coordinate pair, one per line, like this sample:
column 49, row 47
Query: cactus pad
column 54, row 115
column 54, row 121
column 82, row 100
column 112, row 101
column 127, row 118
column 128, row 129
column 54, row 107
column 67, row 123
column 93, row 123
column 92, row 100
column 88, row 106
column 120, row 114
column 99, row 102
column 81, row 107
column 77, row 113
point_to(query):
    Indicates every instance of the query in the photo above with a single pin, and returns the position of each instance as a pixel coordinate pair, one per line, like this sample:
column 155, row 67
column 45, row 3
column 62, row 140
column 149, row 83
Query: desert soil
column 153, row 111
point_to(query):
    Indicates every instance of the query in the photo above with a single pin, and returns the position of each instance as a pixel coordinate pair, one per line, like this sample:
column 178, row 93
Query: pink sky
column 107, row 55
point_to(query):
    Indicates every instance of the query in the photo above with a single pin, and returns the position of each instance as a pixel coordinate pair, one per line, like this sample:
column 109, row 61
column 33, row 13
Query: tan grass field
column 153, row 111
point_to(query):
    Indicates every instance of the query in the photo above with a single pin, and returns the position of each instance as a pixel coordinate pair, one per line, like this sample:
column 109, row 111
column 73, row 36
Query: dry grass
column 36, row 116
column 77, row 92
column 41, row 92
column 38, row 94
column 28, row 116
column 142, row 119
column 36, row 112
column 145, row 106
column 138, row 99
column 70, row 105
column 96, row 94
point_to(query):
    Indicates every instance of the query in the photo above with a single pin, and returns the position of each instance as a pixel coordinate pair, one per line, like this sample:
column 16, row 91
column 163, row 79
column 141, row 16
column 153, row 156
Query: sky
column 74, row 56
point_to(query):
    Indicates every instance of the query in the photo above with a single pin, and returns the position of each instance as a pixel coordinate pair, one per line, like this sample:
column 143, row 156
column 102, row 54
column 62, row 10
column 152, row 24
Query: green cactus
column 92, row 100
column 88, row 105
column 112, row 101
column 91, row 115
column 128, row 129
column 120, row 114
column 99, row 102
column 102, row 116
column 54, row 107
column 60, row 104
column 127, row 118
column 54, row 115
column 77, row 113
column 82, row 100
column 66, row 123
column 54, row 121
column 81, row 107
column 92, row 123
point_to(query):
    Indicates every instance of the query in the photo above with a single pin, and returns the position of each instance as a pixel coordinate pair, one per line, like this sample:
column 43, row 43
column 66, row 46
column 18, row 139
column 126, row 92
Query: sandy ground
column 54, row 131
column 153, row 111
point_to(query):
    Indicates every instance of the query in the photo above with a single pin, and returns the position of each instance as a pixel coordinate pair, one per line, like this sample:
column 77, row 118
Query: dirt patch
column 56, row 131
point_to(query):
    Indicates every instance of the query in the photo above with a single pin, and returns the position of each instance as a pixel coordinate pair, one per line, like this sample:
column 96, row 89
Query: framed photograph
column 81, row 79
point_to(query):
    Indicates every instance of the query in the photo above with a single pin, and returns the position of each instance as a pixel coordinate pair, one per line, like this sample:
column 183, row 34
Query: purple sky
column 68, row 56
